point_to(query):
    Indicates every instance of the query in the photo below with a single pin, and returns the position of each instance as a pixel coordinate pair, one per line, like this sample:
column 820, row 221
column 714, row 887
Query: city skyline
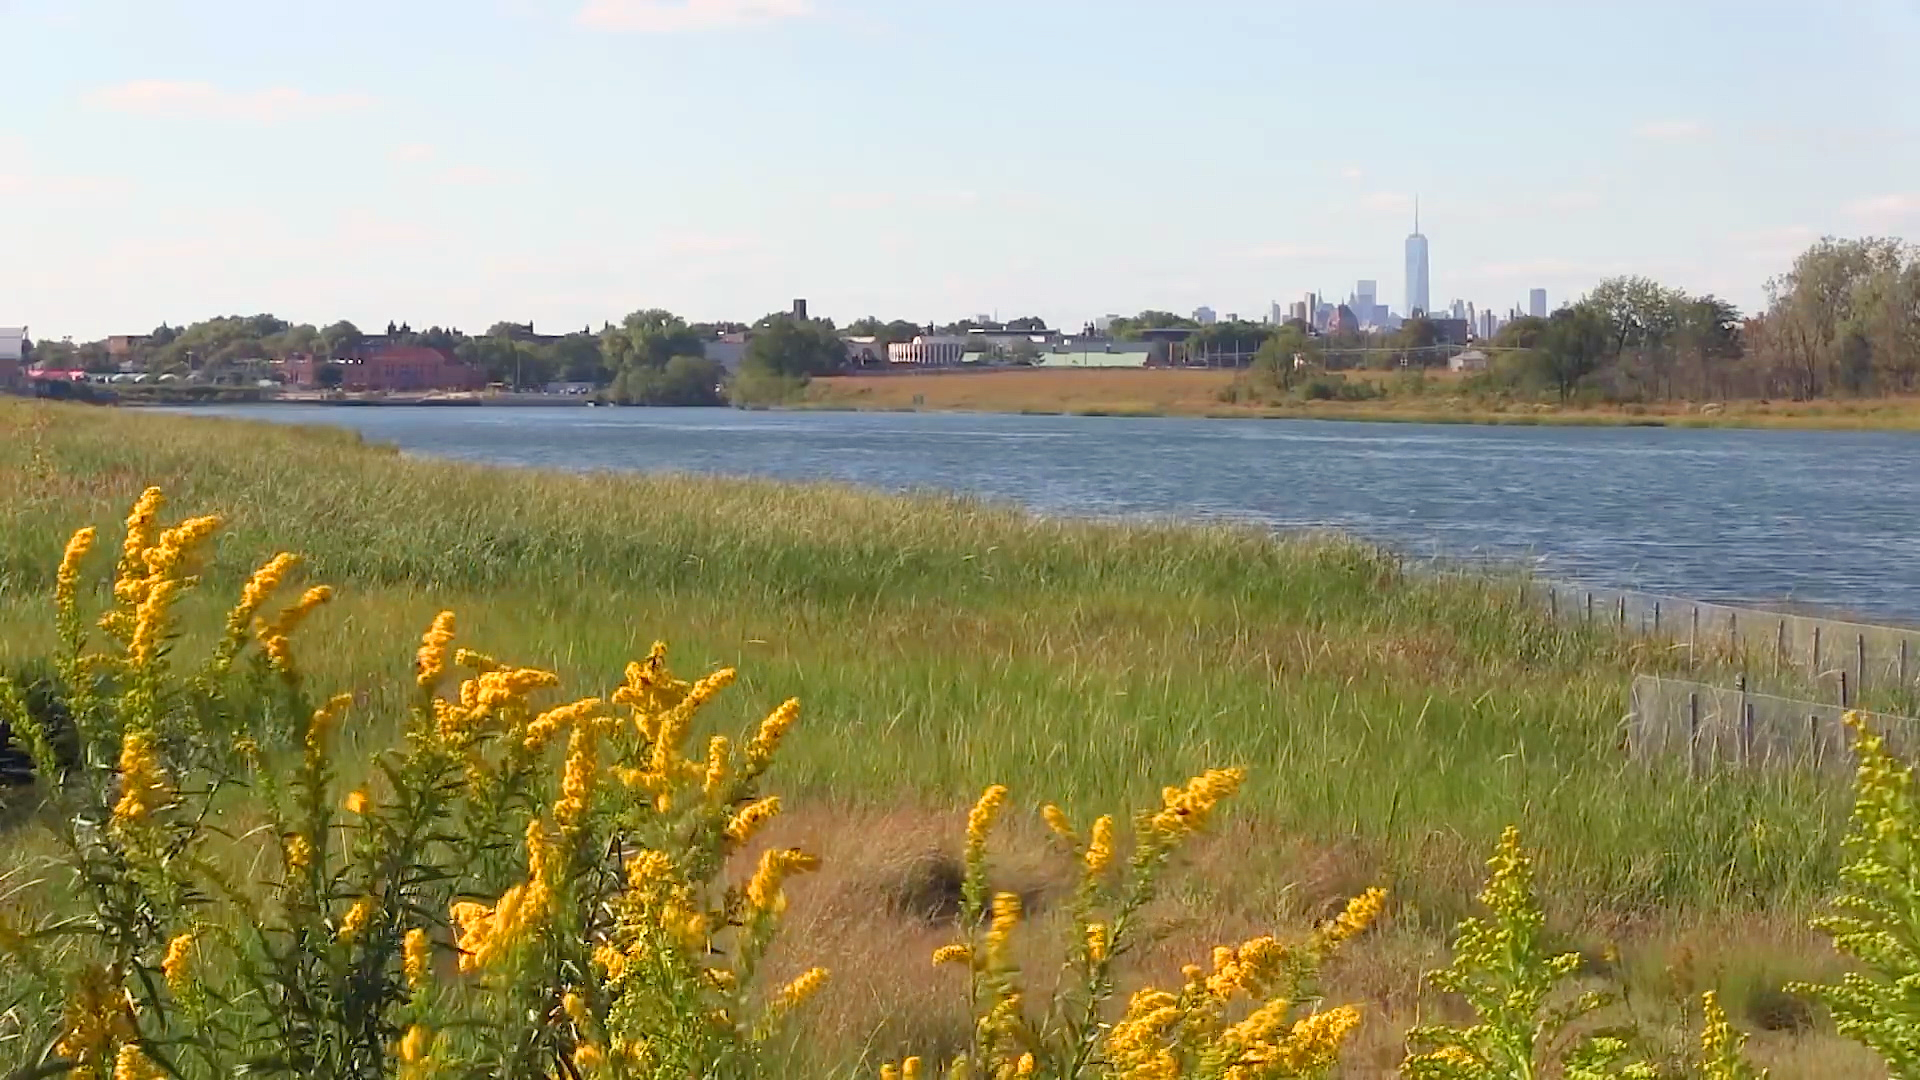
column 159, row 163
column 1419, row 278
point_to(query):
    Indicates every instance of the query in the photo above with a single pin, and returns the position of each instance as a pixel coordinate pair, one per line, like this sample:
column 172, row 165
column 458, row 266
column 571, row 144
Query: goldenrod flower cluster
column 95, row 1022
column 174, row 967
column 748, row 820
column 66, row 581
column 430, row 664
column 486, row 934
column 358, row 917
column 1187, row 809
column 143, row 783
column 416, row 952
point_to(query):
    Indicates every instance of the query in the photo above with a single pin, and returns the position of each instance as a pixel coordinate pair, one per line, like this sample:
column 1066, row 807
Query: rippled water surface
column 1825, row 518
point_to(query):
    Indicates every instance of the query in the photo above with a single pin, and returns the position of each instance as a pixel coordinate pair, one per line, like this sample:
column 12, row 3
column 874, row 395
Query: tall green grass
column 939, row 644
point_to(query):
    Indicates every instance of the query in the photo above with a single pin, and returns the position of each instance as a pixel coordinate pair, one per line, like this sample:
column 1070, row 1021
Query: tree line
column 1843, row 320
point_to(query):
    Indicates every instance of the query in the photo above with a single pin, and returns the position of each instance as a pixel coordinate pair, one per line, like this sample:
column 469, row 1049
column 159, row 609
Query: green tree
column 1573, row 345
column 648, row 339
column 340, row 337
column 788, row 347
column 1707, row 331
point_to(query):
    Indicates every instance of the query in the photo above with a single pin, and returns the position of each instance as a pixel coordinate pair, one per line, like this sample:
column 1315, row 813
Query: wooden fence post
column 1693, row 733
column 1846, row 700
column 1816, row 650
column 1860, row 662
column 1746, row 735
column 1813, row 740
column 1780, row 648
column 1905, row 684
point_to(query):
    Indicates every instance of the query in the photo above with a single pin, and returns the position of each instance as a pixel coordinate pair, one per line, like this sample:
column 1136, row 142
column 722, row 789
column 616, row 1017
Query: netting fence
column 1829, row 658
column 1715, row 727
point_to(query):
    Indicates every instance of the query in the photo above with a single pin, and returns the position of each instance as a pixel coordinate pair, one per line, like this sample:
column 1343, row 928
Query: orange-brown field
column 1190, row 392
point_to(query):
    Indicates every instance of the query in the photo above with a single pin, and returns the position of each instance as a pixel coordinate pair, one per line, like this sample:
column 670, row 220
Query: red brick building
column 401, row 368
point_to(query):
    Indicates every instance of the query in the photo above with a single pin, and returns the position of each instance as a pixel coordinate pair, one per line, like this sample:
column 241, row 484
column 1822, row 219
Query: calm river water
column 1822, row 518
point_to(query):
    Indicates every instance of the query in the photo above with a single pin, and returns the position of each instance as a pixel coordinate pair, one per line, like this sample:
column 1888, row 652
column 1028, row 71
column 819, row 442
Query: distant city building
column 729, row 350
column 1537, row 303
column 1458, row 309
column 1343, row 321
column 800, row 309
column 1297, row 312
column 1204, row 316
column 1471, row 360
column 402, row 368
column 121, row 346
column 1489, row 323
column 866, row 351
column 929, row 350
column 1365, row 298
column 1104, row 324
column 1418, row 301
column 1275, row 314
column 1451, row 331
column 13, row 354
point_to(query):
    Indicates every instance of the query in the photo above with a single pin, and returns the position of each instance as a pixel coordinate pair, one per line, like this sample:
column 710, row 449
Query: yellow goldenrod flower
column 776, row 864
column 588, row 1057
column 751, row 817
column 952, row 954
column 1006, row 915
column 66, row 580
column 1025, row 1066
column 321, row 725
column 1056, row 820
column 259, row 587
column 299, row 853
column 577, row 783
column 355, row 921
column 795, row 994
column 174, row 967
column 140, row 533
column 766, row 741
column 132, row 1063
column 94, row 1019
column 612, row 960
column 358, row 802
column 494, row 689
column 980, row 821
column 274, row 635
column 415, row 1045
column 143, row 784
column 910, row 1069
column 1097, row 942
column 575, row 1007
column 416, row 953
column 719, row 758
column 430, row 666
column 1100, row 846
column 1187, row 809
column 557, row 719
column 1359, row 914
column 150, row 622
column 889, row 1071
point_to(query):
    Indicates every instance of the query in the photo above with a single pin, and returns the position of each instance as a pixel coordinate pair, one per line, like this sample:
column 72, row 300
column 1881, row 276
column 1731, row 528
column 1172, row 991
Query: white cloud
column 672, row 16
column 1353, row 172
column 699, row 243
column 1886, row 208
column 161, row 97
column 413, row 152
column 1672, row 130
column 1534, row 269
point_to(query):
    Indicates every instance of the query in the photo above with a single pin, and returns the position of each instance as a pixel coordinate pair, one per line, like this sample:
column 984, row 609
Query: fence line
column 1714, row 727
column 1835, row 655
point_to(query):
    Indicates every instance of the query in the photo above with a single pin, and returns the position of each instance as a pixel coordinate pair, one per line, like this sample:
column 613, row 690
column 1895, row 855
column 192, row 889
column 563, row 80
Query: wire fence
column 1714, row 727
column 1833, row 658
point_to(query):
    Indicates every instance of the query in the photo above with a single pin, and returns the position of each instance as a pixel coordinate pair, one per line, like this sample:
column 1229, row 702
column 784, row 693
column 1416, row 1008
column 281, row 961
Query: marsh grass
column 1391, row 724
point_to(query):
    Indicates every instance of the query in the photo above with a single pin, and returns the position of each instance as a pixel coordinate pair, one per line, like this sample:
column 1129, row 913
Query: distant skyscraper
column 1204, row 316
column 1417, row 299
column 1537, row 303
column 1276, row 314
column 1365, row 298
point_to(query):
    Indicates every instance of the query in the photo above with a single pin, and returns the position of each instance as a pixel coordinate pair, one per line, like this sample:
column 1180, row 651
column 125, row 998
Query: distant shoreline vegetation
column 1841, row 325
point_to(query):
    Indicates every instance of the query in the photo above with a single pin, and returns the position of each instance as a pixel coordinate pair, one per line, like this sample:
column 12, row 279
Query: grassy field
column 1391, row 724
column 1186, row 392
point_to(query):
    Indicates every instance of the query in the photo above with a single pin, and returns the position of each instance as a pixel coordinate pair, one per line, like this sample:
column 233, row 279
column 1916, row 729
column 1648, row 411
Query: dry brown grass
column 1196, row 392
column 887, row 895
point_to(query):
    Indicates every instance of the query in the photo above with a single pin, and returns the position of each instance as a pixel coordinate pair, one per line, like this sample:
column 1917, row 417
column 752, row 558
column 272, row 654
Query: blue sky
column 566, row 161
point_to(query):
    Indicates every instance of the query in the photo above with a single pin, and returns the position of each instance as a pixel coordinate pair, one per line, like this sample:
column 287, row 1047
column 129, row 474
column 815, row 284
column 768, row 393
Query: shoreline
column 1194, row 394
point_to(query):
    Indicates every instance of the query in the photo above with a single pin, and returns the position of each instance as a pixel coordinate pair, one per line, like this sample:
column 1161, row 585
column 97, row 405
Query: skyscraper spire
column 1416, row 215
